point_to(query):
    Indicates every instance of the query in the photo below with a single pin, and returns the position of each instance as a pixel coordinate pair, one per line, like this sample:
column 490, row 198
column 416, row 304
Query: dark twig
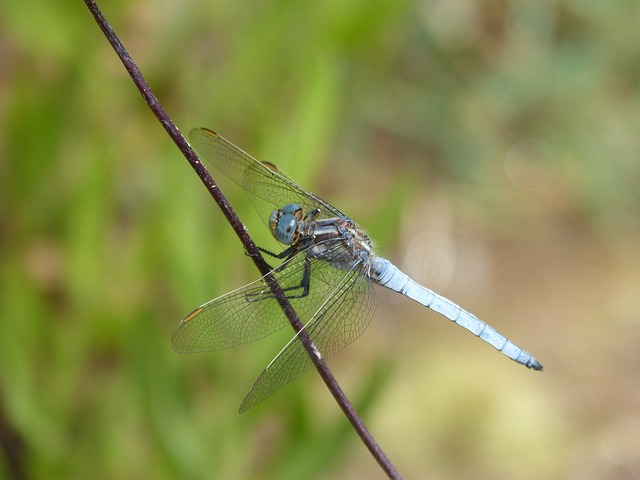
column 246, row 240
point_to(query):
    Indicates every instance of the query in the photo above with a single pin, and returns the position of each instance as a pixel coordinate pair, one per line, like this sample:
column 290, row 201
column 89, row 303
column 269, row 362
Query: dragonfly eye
column 294, row 209
column 286, row 229
column 284, row 223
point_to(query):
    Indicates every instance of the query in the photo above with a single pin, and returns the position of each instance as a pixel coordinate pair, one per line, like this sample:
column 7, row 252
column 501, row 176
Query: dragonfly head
column 284, row 223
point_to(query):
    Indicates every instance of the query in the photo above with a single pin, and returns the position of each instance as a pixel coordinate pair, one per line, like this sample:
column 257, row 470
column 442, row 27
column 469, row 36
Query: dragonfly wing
column 252, row 312
column 341, row 319
column 268, row 188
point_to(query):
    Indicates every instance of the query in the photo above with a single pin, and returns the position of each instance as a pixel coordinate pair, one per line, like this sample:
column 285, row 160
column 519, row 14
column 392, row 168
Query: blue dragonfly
column 327, row 270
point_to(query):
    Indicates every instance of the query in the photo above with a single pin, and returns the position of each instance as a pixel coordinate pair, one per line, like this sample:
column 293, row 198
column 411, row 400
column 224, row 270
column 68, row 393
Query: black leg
column 271, row 254
column 305, row 282
column 304, row 285
column 281, row 255
column 311, row 216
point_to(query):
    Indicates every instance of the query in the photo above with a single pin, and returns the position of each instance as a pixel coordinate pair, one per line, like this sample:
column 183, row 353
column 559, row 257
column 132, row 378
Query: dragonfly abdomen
column 384, row 273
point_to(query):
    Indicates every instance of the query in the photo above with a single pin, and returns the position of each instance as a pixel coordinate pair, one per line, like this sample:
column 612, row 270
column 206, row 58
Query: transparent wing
column 340, row 320
column 268, row 188
column 252, row 312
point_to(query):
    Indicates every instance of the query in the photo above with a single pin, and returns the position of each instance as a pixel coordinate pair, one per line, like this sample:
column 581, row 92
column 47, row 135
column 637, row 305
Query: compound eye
column 286, row 230
column 294, row 209
column 276, row 215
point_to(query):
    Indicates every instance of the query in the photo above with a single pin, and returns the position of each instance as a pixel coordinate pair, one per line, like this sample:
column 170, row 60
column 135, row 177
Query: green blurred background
column 489, row 147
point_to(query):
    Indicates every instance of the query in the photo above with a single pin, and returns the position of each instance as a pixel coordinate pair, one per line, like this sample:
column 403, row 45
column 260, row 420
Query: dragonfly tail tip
column 535, row 365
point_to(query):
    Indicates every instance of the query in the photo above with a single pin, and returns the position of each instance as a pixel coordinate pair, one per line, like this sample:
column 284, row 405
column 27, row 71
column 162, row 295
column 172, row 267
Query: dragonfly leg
column 311, row 216
column 305, row 282
column 287, row 254
column 271, row 254
column 281, row 255
column 303, row 286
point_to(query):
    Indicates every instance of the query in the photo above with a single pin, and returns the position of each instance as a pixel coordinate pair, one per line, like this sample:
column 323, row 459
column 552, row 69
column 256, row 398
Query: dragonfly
column 326, row 269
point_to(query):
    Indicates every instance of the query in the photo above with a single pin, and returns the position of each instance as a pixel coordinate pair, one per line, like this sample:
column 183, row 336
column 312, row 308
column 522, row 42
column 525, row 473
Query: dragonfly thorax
column 285, row 223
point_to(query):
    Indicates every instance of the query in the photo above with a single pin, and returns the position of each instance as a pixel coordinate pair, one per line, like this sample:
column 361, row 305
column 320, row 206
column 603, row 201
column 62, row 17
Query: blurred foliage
column 500, row 133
